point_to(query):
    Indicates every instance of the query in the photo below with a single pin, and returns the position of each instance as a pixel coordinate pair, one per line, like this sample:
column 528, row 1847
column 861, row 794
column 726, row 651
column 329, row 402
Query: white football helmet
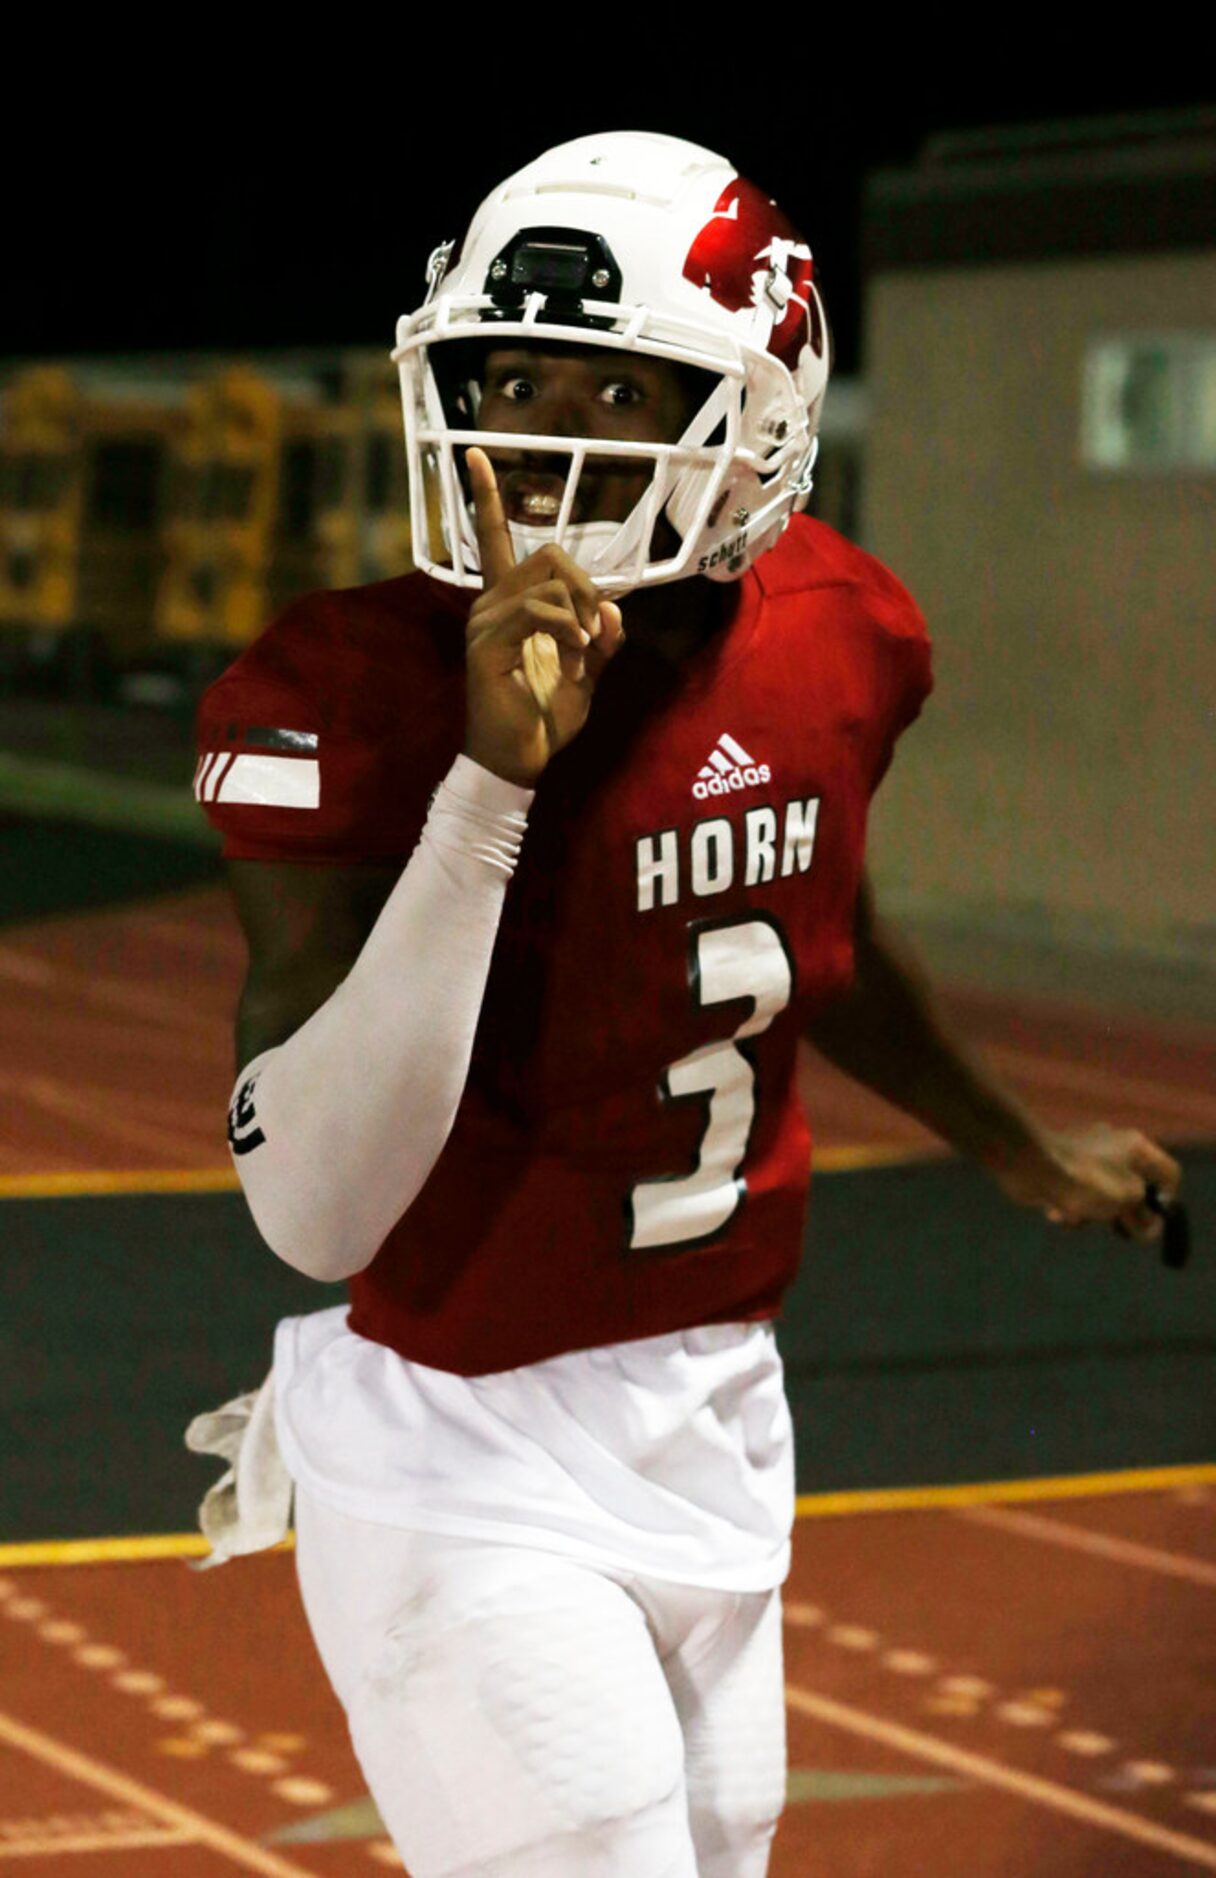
column 647, row 244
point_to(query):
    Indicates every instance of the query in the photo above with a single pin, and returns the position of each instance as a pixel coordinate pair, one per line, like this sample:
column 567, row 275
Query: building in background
column 1040, row 368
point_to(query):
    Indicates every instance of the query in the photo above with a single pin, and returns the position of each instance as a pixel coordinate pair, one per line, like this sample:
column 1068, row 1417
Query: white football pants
column 521, row 1715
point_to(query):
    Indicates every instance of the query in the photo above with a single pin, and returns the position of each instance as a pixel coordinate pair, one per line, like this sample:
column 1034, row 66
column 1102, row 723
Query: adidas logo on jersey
column 729, row 768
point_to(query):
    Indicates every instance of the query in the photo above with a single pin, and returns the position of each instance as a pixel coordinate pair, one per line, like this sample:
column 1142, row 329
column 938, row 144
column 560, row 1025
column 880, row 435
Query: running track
column 1005, row 1681
column 971, row 1690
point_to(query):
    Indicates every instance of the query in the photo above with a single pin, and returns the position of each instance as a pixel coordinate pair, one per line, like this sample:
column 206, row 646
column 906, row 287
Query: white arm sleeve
column 334, row 1132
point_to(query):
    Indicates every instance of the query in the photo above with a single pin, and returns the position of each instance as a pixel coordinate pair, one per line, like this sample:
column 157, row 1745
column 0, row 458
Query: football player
column 546, row 855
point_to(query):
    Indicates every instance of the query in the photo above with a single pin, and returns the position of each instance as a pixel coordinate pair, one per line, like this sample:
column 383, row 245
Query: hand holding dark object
column 1103, row 1174
column 538, row 638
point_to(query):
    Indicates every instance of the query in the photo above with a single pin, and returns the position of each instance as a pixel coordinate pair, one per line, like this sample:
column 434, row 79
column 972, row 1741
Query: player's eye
column 519, row 390
column 622, row 391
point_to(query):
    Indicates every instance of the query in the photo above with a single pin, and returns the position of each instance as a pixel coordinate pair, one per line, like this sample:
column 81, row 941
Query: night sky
column 295, row 203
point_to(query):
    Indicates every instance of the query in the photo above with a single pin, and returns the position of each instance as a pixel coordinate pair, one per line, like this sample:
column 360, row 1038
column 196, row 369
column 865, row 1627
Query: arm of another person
column 890, row 1032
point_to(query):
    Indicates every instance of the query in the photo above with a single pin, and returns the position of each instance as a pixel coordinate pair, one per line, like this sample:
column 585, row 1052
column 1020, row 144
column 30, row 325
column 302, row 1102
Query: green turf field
column 935, row 1335
column 51, row 867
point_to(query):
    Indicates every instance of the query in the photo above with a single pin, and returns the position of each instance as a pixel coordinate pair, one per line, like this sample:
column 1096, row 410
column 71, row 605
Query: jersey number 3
column 743, row 958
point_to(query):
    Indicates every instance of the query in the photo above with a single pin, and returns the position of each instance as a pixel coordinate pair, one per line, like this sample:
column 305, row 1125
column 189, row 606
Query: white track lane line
column 1045, row 1793
column 33, row 1847
column 108, row 1780
column 1100, row 1544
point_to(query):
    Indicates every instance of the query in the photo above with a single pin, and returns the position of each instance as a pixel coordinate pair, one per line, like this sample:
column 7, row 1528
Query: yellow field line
column 130, row 1551
column 809, row 1506
column 223, row 1179
column 844, row 1159
column 145, row 1180
column 983, row 1492
column 1050, row 1794
column 108, row 1780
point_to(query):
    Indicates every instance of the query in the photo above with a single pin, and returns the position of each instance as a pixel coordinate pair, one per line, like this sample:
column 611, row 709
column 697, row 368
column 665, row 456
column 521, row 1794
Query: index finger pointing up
column 493, row 535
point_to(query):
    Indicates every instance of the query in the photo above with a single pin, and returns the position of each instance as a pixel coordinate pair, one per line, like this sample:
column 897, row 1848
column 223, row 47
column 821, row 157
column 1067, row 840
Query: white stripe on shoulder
column 281, row 782
column 212, row 780
column 205, row 766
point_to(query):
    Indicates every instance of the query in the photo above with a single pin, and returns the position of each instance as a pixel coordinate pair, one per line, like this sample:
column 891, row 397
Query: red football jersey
column 630, row 1156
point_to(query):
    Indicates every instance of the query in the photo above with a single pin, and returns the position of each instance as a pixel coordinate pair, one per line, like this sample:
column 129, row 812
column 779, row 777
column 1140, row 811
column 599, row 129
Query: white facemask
column 584, row 543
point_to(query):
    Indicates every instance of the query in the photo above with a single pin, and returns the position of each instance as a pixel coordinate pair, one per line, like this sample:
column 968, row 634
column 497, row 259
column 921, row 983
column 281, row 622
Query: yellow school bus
column 264, row 504
column 128, row 435
column 40, row 500
column 379, row 485
column 222, row 510
column 83, row 457
column 316, row 536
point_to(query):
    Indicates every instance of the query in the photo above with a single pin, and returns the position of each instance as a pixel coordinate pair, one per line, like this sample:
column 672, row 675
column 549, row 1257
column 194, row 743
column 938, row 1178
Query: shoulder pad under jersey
column 324, row 740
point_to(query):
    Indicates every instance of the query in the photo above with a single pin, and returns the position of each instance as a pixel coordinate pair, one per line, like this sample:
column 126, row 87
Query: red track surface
column 1014, row 1658
column 118, row 1050
column 985, row 1692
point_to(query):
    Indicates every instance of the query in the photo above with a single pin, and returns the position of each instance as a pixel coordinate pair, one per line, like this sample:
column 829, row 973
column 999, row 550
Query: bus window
column 297, row 488
column 229, row 495
column 124, row 485
column 184, row 491
column 332, row 464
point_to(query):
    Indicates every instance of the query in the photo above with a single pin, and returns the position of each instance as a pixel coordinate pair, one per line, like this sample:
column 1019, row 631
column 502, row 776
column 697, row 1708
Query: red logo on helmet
column 749, row 255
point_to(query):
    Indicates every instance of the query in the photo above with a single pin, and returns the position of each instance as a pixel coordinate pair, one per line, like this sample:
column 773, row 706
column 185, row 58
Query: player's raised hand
column 538, row 637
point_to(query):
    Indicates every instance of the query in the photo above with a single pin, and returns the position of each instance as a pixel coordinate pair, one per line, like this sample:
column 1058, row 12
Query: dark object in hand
column 1176, row 1238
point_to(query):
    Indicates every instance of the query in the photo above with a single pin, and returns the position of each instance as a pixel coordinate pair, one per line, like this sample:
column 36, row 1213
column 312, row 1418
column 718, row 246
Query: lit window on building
column 1148, row 402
